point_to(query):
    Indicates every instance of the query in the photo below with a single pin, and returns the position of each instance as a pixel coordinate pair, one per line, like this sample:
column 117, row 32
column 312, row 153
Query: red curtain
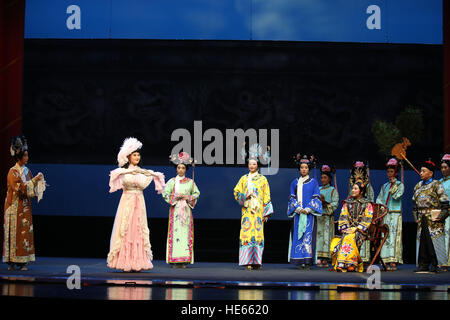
column 12, row 20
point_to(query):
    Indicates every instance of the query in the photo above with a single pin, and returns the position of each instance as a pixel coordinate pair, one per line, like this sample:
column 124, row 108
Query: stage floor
column 47, row 278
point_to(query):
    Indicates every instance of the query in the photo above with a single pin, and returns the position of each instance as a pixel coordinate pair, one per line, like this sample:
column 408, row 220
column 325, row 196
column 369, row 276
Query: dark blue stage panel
column 82, row 190
column 378, row 21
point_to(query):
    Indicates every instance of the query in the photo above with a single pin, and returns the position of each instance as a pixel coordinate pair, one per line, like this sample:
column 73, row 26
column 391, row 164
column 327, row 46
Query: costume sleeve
column 239, row 191
column 370, row 194
column 399, row 192
column 315, row 204
column 31, row 185
column 443, row 199
column 334, row 200
column 267, row 203
column 115, row 180
column 25, row 188
column 414, row 209
column 366, row 220
column 168, row 193
column 380, row 198
column 158, row 179
column 193, row 197
column 292, row 200
column 343, row 218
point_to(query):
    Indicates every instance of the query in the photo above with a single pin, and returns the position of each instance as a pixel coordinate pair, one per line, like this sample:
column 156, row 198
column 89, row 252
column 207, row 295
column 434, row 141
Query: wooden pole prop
column 399, row 151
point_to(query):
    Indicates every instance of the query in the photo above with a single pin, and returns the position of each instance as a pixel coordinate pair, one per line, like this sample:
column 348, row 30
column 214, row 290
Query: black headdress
column 18, row 146
column 309, row 160
column 429, row 165
column 359, row 173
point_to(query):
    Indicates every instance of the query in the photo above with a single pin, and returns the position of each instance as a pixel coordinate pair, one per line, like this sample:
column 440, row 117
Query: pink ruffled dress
column 130, row 248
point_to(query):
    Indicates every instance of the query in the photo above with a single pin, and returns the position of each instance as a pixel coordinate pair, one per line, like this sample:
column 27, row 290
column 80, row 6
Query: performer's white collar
column 300, row 189
column 178, row 178
column 303, row 179
column 251, row 175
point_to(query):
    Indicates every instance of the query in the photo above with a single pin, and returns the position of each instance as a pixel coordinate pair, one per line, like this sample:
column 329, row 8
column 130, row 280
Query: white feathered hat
column 128, row 147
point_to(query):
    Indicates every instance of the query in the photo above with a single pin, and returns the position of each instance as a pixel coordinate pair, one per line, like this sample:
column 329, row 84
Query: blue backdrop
column 82, row 190
column 396, row 21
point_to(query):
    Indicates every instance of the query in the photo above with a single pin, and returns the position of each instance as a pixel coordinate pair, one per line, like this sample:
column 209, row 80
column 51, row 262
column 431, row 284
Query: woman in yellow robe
column 252, row 192
column 354, row 221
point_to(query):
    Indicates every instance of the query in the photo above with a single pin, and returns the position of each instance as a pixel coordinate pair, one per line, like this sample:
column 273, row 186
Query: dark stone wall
column 83, row 97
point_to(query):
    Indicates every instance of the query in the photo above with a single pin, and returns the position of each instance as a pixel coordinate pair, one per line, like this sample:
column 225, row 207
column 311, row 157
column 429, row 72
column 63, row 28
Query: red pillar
column 12, row 20
column 446, row 42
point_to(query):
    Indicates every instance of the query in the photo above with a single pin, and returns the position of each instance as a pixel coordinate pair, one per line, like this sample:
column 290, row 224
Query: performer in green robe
column 325, row 223
column 182, row 195
column 390, row 195
column 445, row 169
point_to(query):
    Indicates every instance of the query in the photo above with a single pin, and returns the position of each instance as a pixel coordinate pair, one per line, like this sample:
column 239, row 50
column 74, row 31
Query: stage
column 47, row 278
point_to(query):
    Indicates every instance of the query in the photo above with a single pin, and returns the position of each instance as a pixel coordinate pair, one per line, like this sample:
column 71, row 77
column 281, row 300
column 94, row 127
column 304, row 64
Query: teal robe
column 391, row 196
column 325, row 223
column 446, row 183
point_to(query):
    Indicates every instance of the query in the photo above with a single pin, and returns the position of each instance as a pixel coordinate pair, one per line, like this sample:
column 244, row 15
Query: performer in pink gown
column 130, row 248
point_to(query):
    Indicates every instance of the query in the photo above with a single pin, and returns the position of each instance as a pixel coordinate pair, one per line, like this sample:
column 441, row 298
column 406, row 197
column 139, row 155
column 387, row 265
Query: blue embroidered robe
column 302, row 240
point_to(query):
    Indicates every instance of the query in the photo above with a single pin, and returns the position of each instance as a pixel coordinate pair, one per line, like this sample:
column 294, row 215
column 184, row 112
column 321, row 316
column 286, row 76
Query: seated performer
column 430, row 211
column 304, row 205
column 361, row 172
column 354, row 221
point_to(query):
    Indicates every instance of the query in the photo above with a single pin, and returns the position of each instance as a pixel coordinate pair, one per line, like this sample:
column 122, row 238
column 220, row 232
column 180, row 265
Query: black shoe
column 434, row 269
column 421, row 269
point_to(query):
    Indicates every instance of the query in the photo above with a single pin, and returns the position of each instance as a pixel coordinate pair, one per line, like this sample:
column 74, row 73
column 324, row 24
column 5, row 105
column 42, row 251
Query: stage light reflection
column 17, row 290
column 249, row 294
column 179, row 294
column 129, row 293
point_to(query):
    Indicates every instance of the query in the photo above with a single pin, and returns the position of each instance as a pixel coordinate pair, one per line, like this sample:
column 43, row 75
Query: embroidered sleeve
column 239, row 191
column 399, row 192
column 315, row 204
column 444, row 202
column 193, row 197
column 168, row 192
column 343, row 218
column 15, row 182
column 31, row 185
column 293, row 205
column 334, row 200
column 268, row 208
column 370, row 193
column 366, row 219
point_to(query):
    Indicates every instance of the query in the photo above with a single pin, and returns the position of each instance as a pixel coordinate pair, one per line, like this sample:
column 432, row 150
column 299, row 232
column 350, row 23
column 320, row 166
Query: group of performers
column 311, row 209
